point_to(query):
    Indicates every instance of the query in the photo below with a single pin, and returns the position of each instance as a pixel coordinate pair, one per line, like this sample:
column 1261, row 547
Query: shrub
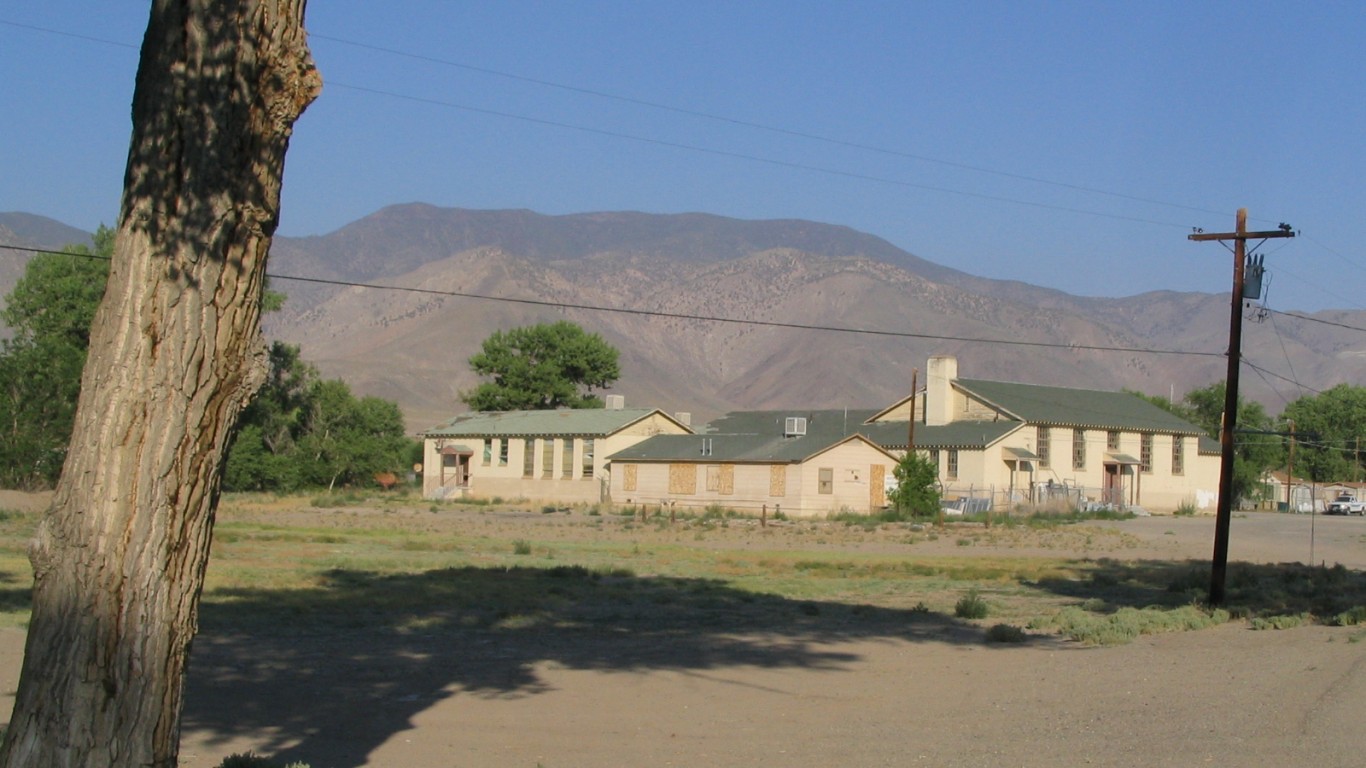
column 1187, row 509
column 1005, row 633
column 521, row 547
column 971, row 606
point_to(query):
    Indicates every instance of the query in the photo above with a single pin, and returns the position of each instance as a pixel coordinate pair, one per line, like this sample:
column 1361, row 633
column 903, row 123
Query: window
column 503, row 451
column 952, row 470
column 934, row 460
column 1178, row 455
column 528, row 457
column 777, row 480
column 1043, row 446
column 827, row 480
column 1078, row 449
column 488, row 452
column 547, row 457
column 683, row 479
column 1145, row 453
column 588, row 457
column 1112, row 440
column 567, row 458
column 628, row 477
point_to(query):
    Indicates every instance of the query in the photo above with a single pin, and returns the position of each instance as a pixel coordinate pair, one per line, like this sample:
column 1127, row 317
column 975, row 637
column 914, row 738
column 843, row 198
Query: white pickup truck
column 1345, row 504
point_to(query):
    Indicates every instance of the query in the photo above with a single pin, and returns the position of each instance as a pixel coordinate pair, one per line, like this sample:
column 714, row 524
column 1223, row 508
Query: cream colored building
column 1027, row 444
column 800, row 464
column 557, row 456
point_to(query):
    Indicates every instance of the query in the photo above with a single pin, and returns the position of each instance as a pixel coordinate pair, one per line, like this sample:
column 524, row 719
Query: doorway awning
column 1121, row 458
column 1021, row 454
column 456, row 450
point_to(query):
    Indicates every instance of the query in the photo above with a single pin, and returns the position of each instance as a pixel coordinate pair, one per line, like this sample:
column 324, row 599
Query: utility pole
column 1224, row 513
column 1290, row 468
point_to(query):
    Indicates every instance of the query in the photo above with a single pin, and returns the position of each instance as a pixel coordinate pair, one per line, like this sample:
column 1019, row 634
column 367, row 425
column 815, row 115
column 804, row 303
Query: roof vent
column 616, row 402
column 793, row 426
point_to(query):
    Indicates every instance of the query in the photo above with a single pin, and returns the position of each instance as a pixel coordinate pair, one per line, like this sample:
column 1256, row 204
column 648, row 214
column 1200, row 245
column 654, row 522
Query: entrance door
column 1114, row 484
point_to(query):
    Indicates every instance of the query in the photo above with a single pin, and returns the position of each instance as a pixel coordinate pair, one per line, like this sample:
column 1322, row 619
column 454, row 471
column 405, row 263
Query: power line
column 744, row 156
column 755, row 125
column 688, row 316
column 1315, row 320
column 720, row 152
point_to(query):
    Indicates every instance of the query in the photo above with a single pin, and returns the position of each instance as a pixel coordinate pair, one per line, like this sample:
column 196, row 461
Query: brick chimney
column 940, row 374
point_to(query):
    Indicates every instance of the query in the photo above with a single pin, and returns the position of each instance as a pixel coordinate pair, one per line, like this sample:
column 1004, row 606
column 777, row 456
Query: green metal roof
column 1083, row 408
column 960, row 434
column 757, row 436
column 738, row 449
column 585, row 422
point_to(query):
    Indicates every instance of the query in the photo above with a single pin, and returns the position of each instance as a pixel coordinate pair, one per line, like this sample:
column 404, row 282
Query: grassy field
column 398, row 564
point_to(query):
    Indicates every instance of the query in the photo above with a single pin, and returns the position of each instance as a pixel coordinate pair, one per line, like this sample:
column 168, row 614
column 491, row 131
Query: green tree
column 1332, row 424
column 917, row 490
column 49, row 312
column 346, row 440
column 302, row 431
column 542, row 367
column 1253, row 454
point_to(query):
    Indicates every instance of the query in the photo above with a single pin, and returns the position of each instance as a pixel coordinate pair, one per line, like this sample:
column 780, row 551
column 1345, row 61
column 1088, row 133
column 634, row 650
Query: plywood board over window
column 777, row 480
column 683, row 479
column 727, row 479
column 628, row 477
column 877, row 489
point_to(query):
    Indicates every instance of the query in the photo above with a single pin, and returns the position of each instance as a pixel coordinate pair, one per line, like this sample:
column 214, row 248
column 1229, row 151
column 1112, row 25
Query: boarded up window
column 777, row 480
column 683, row 479
column 877, row 489
column 727, row 479
column 713, row 479
column 628, row 477
column 826, row 483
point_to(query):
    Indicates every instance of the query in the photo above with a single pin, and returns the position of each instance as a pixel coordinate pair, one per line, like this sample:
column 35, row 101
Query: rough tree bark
column 175, row 353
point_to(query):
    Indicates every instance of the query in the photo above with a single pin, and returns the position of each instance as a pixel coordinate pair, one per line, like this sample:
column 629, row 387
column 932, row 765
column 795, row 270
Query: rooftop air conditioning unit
column 794, row 425
column 616, row 402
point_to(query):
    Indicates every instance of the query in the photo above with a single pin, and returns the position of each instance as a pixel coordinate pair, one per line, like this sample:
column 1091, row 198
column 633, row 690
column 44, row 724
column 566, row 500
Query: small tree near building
column 917, row 487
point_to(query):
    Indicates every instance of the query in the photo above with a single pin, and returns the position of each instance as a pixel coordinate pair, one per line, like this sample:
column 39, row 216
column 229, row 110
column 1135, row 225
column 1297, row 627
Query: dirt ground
column 809, row 695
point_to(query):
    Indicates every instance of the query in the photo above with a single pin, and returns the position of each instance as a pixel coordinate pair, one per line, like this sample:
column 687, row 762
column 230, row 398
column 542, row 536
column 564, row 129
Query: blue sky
column 1066, row 144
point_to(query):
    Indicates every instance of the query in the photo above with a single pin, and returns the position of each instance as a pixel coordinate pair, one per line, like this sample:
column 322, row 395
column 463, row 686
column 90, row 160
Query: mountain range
column 808, row 315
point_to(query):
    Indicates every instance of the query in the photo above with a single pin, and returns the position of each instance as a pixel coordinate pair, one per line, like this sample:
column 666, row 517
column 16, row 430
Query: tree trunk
column 175, row 353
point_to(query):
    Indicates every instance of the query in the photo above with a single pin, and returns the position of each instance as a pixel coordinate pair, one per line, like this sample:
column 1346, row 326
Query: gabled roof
column 583, row 422
column 731, row 448
column 967, row 435
column 1082, row 408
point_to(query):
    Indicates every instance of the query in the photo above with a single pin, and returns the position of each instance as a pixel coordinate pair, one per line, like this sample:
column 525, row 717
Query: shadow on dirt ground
column 1251, row 589
column 332, row 672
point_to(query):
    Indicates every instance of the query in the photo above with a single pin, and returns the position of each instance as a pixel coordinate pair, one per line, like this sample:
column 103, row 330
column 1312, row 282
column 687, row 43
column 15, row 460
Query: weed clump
column 971, row 606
